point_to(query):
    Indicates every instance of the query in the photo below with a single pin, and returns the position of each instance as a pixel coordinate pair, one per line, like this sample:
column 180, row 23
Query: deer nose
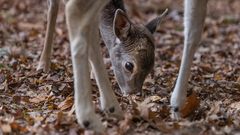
column 133, row 91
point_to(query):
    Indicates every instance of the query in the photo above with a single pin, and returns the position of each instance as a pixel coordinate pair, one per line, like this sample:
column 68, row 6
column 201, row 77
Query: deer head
column 132, row 55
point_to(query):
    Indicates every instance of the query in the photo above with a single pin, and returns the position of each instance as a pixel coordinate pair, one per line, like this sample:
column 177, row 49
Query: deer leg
column 194, row 15
column 80, row 17
column 45, row 62
column 108, row 99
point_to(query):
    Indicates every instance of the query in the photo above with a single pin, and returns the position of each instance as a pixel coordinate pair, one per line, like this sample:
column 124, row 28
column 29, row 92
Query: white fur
column 84, row 38
column 118, row 41
column 194, row 14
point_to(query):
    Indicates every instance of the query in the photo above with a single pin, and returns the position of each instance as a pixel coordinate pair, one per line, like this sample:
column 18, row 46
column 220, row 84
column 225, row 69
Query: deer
column 131, row 49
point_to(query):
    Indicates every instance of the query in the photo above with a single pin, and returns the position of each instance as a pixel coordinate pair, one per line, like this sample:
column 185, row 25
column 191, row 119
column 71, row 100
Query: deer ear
column 121, row 24
column 152, row 25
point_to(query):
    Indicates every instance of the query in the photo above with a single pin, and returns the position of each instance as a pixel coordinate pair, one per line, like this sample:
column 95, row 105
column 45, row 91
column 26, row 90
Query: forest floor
column 34, row 102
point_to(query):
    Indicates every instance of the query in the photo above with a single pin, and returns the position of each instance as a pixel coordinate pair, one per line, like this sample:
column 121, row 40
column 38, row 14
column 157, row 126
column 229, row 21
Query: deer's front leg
column 84, row 108
column 45, row 61
column 194, row 15
column 108, row 99
column 80, row 15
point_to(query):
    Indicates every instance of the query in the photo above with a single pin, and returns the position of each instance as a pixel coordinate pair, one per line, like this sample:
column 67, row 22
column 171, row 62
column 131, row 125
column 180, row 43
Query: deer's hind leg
column 44, row 62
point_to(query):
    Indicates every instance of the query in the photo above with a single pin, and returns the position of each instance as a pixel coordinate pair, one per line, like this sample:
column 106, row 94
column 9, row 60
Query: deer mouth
column 127, row 92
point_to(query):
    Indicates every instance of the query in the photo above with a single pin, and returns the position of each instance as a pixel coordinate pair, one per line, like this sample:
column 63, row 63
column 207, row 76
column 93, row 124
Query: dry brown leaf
column 235, row 105
column 6, row 128
column 125, row 124
column 38, row 99
column 145, row 108
column 238, row 80
column 26, row 25
column 66, row 104
column 155, row 98
column 218, row 77
column 192, row 103
column 215, row 108
column 163, row 127
column 16, row 126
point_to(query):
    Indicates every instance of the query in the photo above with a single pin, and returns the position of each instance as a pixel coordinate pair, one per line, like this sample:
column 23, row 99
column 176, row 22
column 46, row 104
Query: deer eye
column 129, row 66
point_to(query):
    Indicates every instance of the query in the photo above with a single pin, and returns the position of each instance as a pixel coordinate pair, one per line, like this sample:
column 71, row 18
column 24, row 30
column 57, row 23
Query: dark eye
column 129, row 66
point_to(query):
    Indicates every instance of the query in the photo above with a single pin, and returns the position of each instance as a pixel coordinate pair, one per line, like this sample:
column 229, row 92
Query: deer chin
column 127, row 92
column 135, row 90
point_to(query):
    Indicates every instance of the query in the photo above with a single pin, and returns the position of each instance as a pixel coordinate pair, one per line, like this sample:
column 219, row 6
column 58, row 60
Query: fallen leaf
column 145, row 108
column 6, row 128
column 192, row 103
column 38, row 99
column 125, row 124
column 155, row 98
column 66, row 104
column 16, row 126
column 235, row 105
